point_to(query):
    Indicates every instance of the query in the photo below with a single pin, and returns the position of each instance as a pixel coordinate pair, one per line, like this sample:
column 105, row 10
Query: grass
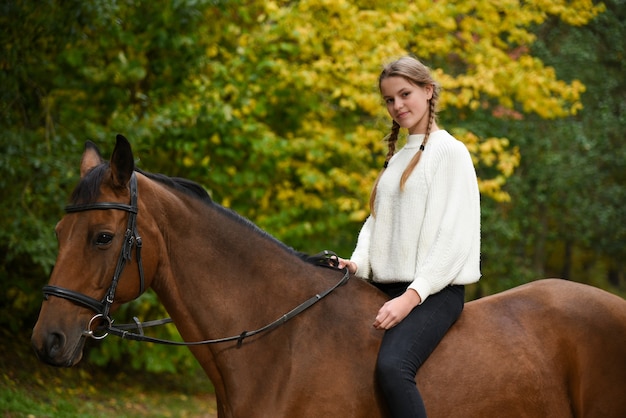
column 31, row 389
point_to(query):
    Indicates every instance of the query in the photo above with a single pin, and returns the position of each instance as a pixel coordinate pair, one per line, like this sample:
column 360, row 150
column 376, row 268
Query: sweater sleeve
column 452, row 221
column 361, row 253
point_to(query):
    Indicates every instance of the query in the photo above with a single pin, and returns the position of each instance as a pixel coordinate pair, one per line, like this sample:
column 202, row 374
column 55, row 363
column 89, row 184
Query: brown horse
column 551, row 348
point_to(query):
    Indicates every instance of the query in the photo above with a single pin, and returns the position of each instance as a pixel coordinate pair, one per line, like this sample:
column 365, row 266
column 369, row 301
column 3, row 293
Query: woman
column 421, row 242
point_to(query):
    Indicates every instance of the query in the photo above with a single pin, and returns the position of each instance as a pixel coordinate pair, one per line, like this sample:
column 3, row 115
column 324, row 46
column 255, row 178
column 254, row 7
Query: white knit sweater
column 429, row 233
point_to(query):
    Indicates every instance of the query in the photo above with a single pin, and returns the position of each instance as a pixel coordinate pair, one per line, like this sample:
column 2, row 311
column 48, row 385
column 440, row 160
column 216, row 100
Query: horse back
column 550, row 348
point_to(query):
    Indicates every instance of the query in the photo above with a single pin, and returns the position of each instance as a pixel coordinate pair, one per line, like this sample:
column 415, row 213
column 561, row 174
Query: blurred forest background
column 273, row 107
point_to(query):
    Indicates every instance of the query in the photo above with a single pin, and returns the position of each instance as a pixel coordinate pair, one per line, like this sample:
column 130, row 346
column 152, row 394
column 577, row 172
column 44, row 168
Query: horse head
column 99, row 264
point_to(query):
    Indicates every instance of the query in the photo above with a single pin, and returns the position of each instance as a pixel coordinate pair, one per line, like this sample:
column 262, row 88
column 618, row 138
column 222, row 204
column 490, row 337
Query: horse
column 548, row 348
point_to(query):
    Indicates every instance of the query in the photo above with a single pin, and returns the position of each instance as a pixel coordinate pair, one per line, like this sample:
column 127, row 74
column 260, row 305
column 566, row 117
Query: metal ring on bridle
column 90, row 333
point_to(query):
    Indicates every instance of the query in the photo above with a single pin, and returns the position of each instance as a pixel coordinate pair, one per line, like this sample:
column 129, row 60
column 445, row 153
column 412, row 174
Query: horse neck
column 212, row 263
column 218, row 276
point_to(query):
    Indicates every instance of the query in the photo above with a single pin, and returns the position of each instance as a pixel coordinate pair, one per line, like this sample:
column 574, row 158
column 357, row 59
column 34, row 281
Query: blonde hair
column 416, row 73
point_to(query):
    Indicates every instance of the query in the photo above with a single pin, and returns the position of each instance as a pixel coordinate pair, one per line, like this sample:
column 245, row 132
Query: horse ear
column 90, row 159
column 122, row 162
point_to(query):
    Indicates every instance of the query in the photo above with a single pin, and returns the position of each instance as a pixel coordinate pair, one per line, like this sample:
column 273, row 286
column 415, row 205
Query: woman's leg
column 406, row 347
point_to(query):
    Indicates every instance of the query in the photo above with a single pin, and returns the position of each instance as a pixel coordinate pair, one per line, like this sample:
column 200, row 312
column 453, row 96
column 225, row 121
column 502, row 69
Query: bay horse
column 550, row 348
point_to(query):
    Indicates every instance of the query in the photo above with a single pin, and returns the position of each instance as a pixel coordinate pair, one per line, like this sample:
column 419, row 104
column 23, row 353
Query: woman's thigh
column 415, row 337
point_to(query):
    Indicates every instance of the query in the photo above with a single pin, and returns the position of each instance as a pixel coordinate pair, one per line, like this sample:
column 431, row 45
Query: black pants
column 406, row 346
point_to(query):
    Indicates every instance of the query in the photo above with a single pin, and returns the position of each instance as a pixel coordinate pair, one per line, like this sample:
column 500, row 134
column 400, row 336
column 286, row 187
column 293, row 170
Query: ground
column 29, row 388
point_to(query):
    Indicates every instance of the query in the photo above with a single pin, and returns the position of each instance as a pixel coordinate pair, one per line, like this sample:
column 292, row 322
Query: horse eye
column 103, row 238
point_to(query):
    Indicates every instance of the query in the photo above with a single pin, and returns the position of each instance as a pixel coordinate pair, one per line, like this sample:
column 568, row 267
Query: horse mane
column 188, row 187
column 88, row 190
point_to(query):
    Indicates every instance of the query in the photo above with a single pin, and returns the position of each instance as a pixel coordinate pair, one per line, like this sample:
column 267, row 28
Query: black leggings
column 406, row 346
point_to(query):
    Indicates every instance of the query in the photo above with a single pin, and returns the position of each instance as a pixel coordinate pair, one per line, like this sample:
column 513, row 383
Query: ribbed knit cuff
column 422, row 287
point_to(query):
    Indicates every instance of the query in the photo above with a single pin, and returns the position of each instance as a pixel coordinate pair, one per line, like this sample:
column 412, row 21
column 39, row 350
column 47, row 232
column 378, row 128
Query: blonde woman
column 421, row 242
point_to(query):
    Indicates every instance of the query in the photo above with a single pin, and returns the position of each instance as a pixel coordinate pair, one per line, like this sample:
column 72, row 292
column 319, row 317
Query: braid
column 432, row 115
column 391, row 139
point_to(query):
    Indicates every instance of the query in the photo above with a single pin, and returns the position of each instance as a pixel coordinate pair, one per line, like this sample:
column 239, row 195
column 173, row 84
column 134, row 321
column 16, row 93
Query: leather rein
column 132, row 240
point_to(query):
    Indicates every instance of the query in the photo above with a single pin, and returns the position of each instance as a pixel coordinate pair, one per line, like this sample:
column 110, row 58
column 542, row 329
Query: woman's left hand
column 395, row 310
column 351, row 265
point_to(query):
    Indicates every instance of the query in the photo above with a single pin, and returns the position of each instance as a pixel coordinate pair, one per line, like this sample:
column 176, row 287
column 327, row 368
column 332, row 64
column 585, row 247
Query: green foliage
column 573, row 182
column 273, row 107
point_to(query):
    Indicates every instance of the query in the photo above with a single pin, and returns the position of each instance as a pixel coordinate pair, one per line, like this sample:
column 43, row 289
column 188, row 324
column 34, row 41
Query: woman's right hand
column 351, row 265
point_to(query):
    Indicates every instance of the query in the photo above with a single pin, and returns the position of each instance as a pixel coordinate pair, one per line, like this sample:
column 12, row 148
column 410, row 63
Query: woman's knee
column 390, row 371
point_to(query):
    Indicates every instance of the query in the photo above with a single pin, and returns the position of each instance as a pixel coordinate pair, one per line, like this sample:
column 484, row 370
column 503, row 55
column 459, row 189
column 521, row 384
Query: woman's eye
column 103, row 238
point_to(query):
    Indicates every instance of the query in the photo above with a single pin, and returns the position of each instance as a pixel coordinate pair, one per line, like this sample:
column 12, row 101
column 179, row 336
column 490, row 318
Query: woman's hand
column 395, row 310
column 351, row 265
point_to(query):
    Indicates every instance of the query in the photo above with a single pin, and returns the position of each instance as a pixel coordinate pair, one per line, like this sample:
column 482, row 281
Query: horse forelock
column 88, row 189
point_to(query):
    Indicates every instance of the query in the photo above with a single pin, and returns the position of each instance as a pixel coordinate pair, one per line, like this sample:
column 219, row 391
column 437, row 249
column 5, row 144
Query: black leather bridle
column 131, row 239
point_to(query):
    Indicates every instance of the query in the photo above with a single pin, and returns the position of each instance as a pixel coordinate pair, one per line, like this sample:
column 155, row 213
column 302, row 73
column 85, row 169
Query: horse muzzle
column 57, row 347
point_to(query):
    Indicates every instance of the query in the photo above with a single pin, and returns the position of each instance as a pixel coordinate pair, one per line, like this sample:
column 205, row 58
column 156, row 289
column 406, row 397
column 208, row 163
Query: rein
column 132, row 239
column 121, row 332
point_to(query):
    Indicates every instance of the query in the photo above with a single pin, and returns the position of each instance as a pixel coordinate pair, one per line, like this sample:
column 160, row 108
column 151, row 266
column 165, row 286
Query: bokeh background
column 273, row 107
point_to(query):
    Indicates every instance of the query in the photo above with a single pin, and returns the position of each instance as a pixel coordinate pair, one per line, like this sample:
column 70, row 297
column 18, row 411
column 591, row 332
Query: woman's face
column 407, row 103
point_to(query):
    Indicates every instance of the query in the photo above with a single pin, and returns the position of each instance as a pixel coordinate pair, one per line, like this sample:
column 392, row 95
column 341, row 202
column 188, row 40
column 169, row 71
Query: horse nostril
column 54, row 344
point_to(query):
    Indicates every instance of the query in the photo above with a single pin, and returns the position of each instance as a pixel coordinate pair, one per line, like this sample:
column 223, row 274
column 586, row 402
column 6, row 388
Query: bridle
column 132, row 239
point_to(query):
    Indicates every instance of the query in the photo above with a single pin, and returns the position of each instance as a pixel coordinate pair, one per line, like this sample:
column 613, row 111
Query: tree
column 569, row 187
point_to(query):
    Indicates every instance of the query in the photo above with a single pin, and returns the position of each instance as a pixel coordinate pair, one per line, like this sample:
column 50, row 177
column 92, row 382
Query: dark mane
column 186, row 186
column 193, row 189
column 88, row 190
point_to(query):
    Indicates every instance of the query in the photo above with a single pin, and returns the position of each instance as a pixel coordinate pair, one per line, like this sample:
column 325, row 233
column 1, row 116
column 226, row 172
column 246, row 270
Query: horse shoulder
column 347, row 386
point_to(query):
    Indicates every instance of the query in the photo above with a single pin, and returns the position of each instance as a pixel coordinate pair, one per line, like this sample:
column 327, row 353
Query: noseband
column 131, row 239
